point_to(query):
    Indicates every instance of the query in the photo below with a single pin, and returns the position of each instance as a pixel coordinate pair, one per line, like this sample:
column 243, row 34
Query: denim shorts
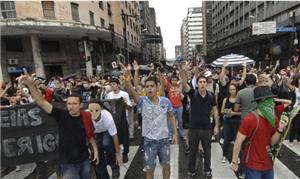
column 154, row 148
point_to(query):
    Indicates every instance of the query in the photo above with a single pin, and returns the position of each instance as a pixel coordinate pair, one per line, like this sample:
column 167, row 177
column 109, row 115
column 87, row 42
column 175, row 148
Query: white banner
column 268, row 27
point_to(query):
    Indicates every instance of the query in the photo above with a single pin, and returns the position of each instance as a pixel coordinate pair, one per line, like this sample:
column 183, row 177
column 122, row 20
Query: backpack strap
column 253, row 135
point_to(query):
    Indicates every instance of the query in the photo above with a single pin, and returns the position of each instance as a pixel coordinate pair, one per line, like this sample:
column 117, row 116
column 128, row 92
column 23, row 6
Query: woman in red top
column 174, row 91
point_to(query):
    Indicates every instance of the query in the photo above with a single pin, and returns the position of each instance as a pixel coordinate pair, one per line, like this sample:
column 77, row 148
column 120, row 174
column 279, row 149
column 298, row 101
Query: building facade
column 178, row 51
column 63, row 37
column 207, row 29
column 232, row 26
column 192, row 33
column 195, row 30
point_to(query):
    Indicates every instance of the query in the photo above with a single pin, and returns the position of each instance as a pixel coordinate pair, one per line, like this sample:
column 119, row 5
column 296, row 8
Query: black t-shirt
column 4, row 101
column 201, row 109
column 72, row 138
column 88, row 94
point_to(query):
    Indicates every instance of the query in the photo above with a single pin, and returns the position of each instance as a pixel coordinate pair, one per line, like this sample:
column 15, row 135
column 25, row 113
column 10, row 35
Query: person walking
column 156, row 111
column 75, row 127
column 261, row 129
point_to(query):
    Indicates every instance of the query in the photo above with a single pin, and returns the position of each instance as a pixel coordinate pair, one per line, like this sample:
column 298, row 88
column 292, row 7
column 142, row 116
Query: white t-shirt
column 297, row 93
column 112, row 95
column 106, row 123
column 121, row 94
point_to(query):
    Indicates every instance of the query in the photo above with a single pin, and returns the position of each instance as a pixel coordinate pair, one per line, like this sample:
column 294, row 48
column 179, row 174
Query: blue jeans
column 255, row 174
column 154, row 148
column 106, row 155
column 230, row 129
column 79, row 170
column 178, row 117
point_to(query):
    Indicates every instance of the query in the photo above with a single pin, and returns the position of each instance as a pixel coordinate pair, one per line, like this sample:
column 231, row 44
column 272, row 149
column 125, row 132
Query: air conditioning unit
column 13, row 61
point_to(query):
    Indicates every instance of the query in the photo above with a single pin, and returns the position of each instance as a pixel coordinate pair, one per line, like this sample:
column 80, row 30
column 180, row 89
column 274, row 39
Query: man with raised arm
column 156, row 110
column 75, row 127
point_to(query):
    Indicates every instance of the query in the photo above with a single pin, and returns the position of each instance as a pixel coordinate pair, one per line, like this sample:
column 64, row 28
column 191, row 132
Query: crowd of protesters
column 232, row 105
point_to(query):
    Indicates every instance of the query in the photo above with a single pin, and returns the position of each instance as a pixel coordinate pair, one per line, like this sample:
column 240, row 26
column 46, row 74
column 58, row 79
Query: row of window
column 16, row 45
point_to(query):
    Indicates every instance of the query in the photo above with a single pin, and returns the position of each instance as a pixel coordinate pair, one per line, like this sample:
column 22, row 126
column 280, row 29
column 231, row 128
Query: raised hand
column 136, row 66
column 277, row 63
column 225, row 64
column 186, row 66
column 25, row 78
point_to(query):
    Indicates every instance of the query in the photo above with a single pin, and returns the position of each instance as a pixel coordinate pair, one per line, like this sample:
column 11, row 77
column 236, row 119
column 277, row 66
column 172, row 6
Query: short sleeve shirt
column 245, row 98
column 106, row 123
column 258, row 155
column 72, row 136
column 155, row 117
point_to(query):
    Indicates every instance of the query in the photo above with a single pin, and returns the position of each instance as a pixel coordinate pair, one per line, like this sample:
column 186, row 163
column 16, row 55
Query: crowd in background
column 226, row 84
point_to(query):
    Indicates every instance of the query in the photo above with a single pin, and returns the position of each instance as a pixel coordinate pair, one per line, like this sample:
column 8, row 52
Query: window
column 92, row 21
column 102, row 22
column 8, row 10
column 48, row 9
column 101, row 5
column 13, row 44
column 50, row 46
column 75, row 12
column 109, row 9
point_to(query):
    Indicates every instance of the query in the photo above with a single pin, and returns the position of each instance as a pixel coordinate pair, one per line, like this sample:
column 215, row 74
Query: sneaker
column 224, row 159
column 213, row 138
column 191, row 174
column 201, row 152
column 115, row 173
column 125, row 158
column 221, row 141
column 242, row 175
column 208, row 174
column 18, row 168
column 291, row 144
column 187, row 149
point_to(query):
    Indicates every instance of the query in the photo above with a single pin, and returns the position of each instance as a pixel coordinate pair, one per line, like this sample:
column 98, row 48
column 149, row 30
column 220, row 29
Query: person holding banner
column 156, row 111
column 75, row 127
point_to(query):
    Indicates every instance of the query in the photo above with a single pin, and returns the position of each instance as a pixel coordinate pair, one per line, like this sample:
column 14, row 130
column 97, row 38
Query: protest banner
column 29, row 134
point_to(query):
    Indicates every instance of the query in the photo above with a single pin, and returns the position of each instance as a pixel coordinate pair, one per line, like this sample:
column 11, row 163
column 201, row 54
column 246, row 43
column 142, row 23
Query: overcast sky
column 169, row 15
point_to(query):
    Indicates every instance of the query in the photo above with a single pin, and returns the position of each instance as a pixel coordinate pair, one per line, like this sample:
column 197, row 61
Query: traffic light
column 250, row 31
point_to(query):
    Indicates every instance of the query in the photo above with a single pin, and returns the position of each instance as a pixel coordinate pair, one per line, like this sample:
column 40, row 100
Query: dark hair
column 114, row 80
column 200, row 77
column 152, row 78
column 76, row 95
column 93, row 100
column 235, row 86
column 174, row 76
column 250, row 79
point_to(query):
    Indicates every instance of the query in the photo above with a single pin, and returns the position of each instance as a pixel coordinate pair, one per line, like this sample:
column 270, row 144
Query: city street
column 82, row 81
column 287, row 167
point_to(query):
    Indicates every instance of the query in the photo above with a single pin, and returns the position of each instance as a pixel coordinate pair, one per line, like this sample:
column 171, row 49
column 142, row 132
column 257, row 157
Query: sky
column 169, row 16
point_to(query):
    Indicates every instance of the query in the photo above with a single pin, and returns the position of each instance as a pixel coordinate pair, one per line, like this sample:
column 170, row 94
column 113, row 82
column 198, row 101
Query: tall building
column 192, row 33
column 195, row 30
column 178, row 51
column 145, row 30
column 207, row 29
column 232, row 26
column 62, row 37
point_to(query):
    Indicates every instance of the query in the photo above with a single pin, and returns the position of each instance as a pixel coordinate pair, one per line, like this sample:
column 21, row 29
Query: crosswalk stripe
column 295, row 148
column 26, row 169
column 281, row 171
column 219, row 170
column 173, row 164
column 123, row 168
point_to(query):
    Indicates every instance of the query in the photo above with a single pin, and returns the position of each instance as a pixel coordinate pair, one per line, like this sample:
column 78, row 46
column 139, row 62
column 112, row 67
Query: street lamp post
column 125, row 34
